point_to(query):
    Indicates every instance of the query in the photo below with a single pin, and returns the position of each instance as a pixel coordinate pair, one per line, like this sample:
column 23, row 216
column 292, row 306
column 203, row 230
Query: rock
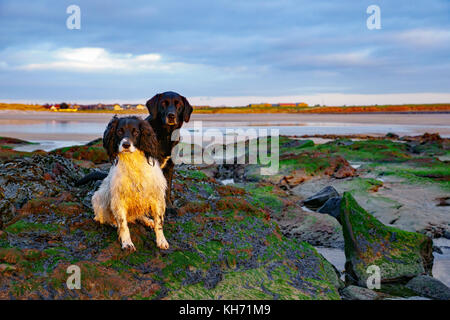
column 295, row 178
column 400, row 255
column 358, row 293
column 446, row 234
column 443, row 201
column 391, row 135
column 316, row 201
column 294, row 143
column 437, row 249
column 408, row 298
column 429, row 287
column 332, row 207
column 314, row 228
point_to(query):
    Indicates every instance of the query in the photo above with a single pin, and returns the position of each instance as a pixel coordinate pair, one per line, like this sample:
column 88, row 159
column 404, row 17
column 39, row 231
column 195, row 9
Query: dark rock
column 316, row 201
column 391, row 135
column 298, row 144
column 358, row 293
column 368, row 242
column 332, row 207
column 429, row 287
column 437, row 249
column 446, row 234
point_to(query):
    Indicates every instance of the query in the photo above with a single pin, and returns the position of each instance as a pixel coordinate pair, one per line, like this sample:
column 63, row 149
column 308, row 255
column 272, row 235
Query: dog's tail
column 93, row 176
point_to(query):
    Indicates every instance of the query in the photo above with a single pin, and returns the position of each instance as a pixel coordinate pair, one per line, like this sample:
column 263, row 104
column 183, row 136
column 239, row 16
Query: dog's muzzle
column 126, row 146
column 171, row 119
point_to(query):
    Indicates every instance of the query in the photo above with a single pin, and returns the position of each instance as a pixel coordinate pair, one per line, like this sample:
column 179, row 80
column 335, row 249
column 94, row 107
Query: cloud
column 94, row 60
column 424, row 37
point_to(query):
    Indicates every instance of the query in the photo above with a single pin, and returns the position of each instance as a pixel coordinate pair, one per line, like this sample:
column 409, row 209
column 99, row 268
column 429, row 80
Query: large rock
column 332, row 207
column 429, row 287
column 316, row 201
column 399, row 254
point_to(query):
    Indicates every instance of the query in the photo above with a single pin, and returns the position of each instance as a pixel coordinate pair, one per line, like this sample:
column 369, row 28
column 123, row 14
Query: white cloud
column 425, row 37
column 91, row 59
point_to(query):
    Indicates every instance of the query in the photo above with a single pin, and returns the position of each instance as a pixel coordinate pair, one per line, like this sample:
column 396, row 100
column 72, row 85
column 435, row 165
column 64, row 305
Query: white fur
column 134, row 187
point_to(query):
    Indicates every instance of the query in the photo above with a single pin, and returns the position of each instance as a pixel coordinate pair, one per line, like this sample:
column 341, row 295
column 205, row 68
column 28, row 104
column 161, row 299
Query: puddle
column 48, row 145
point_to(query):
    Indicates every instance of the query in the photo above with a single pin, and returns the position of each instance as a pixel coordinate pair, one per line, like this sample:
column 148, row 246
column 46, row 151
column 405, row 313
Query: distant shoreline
column 262, row 109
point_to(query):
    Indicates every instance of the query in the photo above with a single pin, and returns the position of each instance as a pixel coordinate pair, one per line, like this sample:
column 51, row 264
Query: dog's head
column 169, row 109
column 128, row 134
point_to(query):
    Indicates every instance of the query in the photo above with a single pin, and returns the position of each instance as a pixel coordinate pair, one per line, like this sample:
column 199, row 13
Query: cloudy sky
column 226, row 52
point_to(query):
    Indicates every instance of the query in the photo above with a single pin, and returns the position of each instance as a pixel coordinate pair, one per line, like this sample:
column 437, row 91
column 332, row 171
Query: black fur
column 159, row 107
column 137, row 131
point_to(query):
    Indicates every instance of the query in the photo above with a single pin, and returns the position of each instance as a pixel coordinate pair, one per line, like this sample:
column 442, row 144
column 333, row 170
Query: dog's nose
column 171, row 116
column 126, row 145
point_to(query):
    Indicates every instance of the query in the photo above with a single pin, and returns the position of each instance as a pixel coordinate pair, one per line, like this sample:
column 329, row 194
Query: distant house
column 117, row 107
column 53, row 108
column 287, row 105
column 140, row 107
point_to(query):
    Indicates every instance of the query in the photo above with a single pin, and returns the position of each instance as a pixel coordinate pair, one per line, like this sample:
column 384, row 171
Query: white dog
column 135, row 184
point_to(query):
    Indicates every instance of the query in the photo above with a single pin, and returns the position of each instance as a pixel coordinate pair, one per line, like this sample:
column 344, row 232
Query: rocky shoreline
column 250, row 240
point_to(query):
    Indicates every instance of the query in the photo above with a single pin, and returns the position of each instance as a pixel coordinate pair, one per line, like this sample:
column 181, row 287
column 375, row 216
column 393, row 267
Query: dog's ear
column 147, row 140
column 187, row 109
column 152, row 106
column 109, row 138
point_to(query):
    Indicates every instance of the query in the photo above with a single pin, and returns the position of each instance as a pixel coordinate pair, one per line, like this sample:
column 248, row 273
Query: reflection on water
column 49, row 145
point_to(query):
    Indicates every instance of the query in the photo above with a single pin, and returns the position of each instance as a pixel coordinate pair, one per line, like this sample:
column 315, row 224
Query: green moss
column 192, row 174
column 23, row 226
column 398, row 254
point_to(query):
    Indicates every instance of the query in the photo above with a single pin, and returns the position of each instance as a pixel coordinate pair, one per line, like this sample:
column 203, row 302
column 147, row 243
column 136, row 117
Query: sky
column 226, row 52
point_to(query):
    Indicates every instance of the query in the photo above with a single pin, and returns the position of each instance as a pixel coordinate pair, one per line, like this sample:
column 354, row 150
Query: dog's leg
column 158, row 211
column 168, row 174
column 124, row 232
column 102, row 213
column 147, row 222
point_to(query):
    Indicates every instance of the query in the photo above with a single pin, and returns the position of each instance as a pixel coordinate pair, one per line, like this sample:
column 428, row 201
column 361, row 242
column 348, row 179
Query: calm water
column 51, row 134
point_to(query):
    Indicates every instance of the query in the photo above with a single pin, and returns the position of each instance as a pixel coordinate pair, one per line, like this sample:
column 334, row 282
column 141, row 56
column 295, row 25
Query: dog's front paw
column 162, row 243
column 128, row 245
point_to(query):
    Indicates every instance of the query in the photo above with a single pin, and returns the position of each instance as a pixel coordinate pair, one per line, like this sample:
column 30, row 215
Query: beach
column 82, row 127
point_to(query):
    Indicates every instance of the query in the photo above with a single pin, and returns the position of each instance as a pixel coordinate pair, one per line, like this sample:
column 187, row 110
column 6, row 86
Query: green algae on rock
column 399, row 254
column 223, row 243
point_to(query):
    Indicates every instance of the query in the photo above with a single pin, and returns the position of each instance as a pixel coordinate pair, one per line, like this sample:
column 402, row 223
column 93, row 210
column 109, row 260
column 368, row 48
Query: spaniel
column 135, row 184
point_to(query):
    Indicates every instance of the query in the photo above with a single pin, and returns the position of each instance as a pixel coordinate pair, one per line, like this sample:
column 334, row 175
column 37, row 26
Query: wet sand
column 426, row 119
column 88, row 126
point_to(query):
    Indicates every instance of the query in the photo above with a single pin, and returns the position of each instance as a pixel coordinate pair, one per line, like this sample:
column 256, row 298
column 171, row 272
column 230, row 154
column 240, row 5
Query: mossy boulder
column 399, row 254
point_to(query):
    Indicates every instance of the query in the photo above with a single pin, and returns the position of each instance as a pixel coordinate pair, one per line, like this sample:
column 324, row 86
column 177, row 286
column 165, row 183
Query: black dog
column 168, row 111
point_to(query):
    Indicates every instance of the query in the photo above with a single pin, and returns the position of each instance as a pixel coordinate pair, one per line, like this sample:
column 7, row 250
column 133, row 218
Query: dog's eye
column 165, row 103
column 120, row 132
column 135, row 132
